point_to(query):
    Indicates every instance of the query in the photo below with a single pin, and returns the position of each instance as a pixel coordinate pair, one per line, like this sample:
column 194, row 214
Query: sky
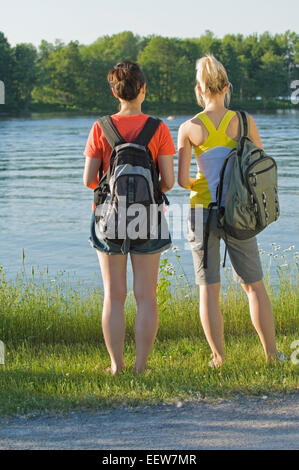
column 86, row 20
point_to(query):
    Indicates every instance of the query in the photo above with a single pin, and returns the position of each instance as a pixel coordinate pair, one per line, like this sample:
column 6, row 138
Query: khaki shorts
column 244, row 254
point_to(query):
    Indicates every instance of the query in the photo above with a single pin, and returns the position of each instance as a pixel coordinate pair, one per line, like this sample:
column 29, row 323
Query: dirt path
column 245, row 423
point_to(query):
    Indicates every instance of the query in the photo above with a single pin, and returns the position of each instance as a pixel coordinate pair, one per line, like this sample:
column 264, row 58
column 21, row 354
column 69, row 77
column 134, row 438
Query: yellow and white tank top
column 209, row 158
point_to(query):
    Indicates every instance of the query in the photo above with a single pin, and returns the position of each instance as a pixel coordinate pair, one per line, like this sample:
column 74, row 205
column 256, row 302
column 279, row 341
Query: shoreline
column 173, row 111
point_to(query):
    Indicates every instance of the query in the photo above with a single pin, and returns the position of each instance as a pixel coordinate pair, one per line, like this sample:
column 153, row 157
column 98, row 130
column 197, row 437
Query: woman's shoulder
column 162, row 140
column 96, row 127
column 95, row 130
column 163, row 130
column 193, row 129
column 237, row 112
column 251, row 121
column 192, row 122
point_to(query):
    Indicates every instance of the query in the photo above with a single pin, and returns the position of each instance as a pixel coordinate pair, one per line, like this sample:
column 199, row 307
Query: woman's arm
column 91, row 171
column 185, row 155
column 166, row 169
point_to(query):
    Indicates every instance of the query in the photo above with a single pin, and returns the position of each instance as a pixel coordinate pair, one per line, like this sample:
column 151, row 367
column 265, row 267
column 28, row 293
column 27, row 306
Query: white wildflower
column 169, row 266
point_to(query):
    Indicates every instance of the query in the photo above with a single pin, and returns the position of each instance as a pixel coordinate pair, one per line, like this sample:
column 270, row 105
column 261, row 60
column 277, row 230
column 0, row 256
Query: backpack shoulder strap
column 148, row 131
column 244, row 123
column 110, row 132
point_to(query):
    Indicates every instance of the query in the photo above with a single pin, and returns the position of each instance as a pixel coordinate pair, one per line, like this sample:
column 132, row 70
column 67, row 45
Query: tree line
column 58, row 76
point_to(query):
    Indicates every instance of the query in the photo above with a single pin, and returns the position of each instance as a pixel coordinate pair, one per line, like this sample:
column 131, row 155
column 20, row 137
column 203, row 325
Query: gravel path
column 245, row 423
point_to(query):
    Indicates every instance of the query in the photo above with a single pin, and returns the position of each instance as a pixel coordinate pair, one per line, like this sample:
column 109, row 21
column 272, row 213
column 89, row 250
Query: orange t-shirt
column 129, row 127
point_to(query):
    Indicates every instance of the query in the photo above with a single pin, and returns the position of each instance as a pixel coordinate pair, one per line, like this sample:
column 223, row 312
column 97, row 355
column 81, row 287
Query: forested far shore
column 72, row 77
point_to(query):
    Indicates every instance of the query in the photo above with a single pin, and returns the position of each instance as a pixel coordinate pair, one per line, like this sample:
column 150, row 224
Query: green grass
column 55, row 358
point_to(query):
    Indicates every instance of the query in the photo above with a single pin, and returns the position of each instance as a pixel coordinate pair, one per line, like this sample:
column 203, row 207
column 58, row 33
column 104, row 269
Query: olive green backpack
column 249, row 176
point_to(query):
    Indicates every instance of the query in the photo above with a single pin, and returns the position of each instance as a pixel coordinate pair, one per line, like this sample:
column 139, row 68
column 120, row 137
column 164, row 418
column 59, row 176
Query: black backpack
column 130, row 186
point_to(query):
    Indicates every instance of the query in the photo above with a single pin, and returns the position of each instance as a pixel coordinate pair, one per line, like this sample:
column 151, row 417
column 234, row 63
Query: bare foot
column 278, row 357
column 215, row 363
column 113, row 371
column 141, row 371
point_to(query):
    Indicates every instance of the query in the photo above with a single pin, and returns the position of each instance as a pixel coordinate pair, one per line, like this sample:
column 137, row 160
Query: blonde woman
column 212, row 134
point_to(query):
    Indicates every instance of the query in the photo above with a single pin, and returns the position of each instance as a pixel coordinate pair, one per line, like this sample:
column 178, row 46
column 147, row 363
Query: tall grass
column 56, row 358
column 36, row 309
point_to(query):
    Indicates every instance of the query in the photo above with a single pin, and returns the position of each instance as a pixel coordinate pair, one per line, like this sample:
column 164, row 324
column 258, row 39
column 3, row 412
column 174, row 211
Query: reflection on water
column 46, row 210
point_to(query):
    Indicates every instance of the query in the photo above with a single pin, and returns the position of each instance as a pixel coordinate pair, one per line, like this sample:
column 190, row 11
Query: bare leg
column 114, row 271
column 145, row 269
column 262, row 317
column 212, row 320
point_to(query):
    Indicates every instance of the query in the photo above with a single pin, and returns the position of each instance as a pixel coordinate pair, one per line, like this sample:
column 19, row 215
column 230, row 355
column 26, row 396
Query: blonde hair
column 212, row 78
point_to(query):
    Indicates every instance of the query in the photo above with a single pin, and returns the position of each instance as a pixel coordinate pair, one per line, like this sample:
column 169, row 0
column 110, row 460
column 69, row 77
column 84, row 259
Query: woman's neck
column 128, row 108
column 215, row 103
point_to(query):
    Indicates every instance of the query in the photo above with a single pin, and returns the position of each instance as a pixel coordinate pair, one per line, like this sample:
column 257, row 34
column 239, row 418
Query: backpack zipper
column 257, row 161
column 262, row 171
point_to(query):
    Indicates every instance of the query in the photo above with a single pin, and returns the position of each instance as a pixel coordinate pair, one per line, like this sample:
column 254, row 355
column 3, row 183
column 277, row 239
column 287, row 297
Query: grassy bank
column 56, row 359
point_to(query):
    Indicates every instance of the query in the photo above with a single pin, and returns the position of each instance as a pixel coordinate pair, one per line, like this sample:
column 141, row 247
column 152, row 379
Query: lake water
column 45, row 209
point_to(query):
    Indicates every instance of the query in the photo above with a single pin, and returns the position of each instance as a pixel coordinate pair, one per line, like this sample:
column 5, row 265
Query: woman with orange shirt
column 128, row 85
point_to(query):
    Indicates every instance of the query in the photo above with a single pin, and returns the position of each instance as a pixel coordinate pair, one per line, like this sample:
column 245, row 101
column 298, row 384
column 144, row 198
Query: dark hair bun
column 126, row 78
